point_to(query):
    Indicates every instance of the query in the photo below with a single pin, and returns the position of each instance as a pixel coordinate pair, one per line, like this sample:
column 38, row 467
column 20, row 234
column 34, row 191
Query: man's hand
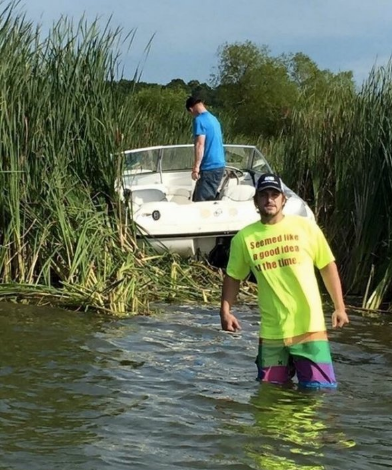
column 230, row 290
column 339, row 318
column 195, row 174
column 229, row 322
column 199, row 153
column 331, row 280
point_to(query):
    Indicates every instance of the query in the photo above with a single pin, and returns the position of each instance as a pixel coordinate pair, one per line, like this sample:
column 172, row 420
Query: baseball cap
column 191, row 101
column 269, row 181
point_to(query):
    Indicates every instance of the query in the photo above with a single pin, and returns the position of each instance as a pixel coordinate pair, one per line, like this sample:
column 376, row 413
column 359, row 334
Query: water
column 174, row 392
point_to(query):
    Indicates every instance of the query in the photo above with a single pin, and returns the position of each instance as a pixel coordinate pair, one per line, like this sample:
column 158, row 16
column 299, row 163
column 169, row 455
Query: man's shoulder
column 300, row 220
column 248, row 229
column 251, row 227
column 206, row 116
column 308, row 227
column 203, row 115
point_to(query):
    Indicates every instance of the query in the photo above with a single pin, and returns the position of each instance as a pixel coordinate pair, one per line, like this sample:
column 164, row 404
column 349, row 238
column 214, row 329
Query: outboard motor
column 219, row 255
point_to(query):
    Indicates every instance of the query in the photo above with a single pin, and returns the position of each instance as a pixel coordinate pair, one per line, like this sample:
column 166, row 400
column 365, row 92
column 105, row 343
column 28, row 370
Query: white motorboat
column 157, row 188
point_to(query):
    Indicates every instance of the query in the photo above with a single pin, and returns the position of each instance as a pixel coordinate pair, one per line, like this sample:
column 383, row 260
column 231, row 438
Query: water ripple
column 175, row 392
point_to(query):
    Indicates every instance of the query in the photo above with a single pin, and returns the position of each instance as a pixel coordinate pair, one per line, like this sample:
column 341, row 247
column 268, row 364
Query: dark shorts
column 307, row 356
column 207, row 185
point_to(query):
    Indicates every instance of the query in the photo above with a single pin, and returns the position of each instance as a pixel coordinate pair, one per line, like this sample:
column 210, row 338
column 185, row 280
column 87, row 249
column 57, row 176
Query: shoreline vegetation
column 65, row 118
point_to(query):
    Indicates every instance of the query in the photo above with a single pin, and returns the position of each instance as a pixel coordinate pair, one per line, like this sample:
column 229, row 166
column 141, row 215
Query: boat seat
column 141, row 196
column 180, row 196
column 240, row 192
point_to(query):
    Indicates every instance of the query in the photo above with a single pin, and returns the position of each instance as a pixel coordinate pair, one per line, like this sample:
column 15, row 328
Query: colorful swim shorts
column 308, row 356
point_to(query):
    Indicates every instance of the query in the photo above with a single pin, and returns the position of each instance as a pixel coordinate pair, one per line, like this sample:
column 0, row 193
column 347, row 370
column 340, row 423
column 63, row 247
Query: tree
column 178, row 84
column 238, row 60
column 313, row 82
column 260, row 91
column 254, row 87
column 202, row 90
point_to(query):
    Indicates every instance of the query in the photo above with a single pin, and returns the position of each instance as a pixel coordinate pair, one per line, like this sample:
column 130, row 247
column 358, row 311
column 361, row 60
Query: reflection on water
column 291, row 423
column 79, row 392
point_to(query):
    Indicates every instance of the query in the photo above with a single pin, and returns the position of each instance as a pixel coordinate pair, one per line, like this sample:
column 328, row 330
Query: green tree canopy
column 259, row 90
column 254, row 87
column 314, row 83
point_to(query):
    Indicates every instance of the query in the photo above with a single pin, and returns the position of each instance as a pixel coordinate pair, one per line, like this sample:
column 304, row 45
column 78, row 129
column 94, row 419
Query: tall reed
column 63, row 125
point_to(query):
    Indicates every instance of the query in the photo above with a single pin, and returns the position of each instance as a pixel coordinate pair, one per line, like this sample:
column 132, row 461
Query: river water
column 175, row 392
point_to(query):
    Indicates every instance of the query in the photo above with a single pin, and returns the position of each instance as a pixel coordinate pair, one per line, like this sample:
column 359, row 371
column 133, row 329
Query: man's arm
column 230, row 291
column 199, row 152
column 331, row 280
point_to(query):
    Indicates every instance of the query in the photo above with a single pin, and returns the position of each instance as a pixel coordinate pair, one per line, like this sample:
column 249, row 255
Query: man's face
column 269, row 202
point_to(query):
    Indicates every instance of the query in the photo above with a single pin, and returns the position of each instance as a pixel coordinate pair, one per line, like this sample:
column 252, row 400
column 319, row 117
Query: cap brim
column 270, row 186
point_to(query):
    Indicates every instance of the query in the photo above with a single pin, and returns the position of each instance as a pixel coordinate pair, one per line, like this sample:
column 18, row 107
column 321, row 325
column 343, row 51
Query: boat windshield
column 155, row 159
column 181, row 157
column 246, row 157
column 144, row 160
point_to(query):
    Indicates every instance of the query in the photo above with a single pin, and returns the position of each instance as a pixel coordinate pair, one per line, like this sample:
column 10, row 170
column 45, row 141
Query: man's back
column 208, row 125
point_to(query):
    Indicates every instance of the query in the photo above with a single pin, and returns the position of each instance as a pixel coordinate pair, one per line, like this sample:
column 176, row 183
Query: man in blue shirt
column 209, row 161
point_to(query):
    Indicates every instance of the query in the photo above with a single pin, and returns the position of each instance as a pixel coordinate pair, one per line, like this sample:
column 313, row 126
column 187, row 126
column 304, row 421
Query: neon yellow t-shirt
column 282, row 257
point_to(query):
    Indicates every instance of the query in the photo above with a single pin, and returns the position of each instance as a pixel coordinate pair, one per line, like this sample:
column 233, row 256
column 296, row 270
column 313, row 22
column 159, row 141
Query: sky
column 185, row 35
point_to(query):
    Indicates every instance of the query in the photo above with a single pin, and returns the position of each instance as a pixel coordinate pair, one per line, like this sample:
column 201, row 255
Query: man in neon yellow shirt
column 282, row 252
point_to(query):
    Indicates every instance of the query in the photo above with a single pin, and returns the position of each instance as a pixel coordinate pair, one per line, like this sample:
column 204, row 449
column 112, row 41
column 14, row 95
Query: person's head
column 194, row 105
column 269, row 197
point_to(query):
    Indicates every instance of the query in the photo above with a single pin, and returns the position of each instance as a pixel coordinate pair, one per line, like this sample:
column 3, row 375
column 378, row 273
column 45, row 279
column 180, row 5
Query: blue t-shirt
column 208, row 125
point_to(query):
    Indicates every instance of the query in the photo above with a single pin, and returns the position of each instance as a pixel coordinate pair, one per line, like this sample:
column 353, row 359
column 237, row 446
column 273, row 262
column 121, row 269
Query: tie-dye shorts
column 307, row 356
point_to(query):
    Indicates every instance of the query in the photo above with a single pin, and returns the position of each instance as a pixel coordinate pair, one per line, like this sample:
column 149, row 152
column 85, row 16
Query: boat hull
column 157, row 191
